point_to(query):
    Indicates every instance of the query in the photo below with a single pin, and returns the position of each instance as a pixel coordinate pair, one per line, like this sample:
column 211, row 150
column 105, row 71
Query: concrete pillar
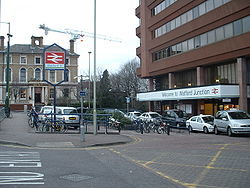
column 242, row 80
column 43, row 95
column 151, row 88
column 200, row 76
column 171, row 80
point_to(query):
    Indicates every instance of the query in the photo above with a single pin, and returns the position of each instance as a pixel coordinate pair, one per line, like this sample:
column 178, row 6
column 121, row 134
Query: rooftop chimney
column 36, row 41
column 71, row 46
column 1, row 43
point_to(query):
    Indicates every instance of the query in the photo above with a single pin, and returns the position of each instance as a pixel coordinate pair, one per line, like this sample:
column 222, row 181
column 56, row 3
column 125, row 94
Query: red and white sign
column 54, row 60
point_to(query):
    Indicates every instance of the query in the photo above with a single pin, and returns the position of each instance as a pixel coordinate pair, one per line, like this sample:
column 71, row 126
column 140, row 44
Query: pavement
column 16, row 131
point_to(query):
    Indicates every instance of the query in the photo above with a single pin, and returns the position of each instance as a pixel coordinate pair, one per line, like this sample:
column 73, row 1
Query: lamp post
column 7, row 101
column 94, row 93
column 89, row 79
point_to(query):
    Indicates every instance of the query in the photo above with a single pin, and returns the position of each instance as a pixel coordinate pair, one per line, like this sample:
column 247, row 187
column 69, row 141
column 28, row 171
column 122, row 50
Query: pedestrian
column 34, row 115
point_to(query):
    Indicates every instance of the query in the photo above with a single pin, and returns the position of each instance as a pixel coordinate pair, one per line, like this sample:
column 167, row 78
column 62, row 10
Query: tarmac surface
column 16, row 131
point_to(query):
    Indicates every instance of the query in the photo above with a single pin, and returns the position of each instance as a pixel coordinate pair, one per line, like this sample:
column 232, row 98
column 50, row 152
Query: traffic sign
column 82, row 93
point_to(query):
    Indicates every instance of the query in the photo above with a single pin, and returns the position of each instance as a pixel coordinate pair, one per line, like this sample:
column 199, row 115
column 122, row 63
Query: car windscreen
column 47, row 111
column 70, row 111
column 180, row 114
column 154, row 115
column 239, row 115
column 207, row 119
column 137, row 114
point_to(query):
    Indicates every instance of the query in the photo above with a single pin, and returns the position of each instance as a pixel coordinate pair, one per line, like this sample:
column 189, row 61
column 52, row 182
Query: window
column 172, row 24
column 217, row 3
column 168, row 25
column 195, row 12
column 197, row 42
column 22, row 93
column 228, row 30
column 173, row 50
column 189, row 15
column 185, row 46
column 10, row 59
column 52, row 76
column 210, row 5
column 37, row 74
column 219, row 33
column 178, row 21
column 66, row 75
column 37, row 60
column 51, row 93
column 237, row 27
column 23, row 60
column 183, row 18
column 179, row 48
column 191, row 44
column 203, row 39
column 22, row 75
column 66, row 92
column 211, row 37
column 246, row 24
column 67, row 61
column 202, row 8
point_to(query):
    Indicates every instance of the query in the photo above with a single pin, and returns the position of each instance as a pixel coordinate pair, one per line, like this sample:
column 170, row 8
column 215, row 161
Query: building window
column 67, row 62
column 22, row 93
column 10, row 59
column 23, row 60
column 246, row 24
column 22, row 75
column 51, row 93
column 66, row 92
column 66, row 74
column 185, row 78
column 37, row 60
column 52, row 75
column 162, row 6
column 37, row 74
column 218, row 34
column 188, row 16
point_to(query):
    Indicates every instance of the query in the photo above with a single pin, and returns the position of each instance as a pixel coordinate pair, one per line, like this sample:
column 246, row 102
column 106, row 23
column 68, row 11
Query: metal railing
column 2, row 114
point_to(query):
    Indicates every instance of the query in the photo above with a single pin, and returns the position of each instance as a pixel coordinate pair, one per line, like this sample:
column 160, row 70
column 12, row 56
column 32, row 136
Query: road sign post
column 54, row 58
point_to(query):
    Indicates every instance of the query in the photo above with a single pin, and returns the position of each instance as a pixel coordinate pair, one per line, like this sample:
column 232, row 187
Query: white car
column 150, row 116
column 201, row 122
column 68, row 115
column 133, row 115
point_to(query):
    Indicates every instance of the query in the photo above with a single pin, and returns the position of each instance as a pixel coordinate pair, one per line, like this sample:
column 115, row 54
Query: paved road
column 150, row 160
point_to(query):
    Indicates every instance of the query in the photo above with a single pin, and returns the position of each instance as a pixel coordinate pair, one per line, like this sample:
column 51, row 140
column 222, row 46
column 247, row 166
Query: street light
column 89, row 79
column 94, row 93
column 7, row 100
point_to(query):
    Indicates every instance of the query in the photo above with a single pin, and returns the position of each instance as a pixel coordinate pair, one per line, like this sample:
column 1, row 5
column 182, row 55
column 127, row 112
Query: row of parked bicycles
column 46, row 125
column 156, row 126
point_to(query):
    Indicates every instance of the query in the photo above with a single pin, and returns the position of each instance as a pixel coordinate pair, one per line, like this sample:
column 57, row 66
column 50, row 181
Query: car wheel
column 190, row 129
column 205, row 129
column 229, row 131
column 216, row 131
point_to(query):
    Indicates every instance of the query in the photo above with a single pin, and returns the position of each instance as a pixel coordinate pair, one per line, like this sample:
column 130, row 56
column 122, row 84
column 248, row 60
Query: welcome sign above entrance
column 215, row 91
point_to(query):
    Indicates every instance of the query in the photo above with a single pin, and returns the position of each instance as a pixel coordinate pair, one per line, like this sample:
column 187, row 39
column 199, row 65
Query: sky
column 115, row 19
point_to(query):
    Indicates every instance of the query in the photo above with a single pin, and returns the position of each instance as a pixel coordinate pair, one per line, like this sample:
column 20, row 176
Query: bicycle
column 51, row 125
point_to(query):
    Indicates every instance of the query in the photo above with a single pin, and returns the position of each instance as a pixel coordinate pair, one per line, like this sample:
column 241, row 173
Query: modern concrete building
column 26, row 70
column 196, row 54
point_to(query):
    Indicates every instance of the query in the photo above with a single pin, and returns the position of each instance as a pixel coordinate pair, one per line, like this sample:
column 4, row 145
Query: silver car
column 232, row 122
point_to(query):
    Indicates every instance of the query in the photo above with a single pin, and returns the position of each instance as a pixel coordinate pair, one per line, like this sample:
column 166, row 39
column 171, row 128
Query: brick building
column 26, row 70
column 196, row 54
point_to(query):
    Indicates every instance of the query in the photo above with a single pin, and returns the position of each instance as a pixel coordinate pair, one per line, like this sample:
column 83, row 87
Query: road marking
column 13, row 159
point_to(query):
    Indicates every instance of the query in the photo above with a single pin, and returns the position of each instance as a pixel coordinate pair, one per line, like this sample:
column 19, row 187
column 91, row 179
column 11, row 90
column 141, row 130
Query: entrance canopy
column 205, row 92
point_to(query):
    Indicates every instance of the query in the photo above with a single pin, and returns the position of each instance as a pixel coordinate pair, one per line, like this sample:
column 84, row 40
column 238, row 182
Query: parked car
column 175, row 117
column 201, row 122
column 150, row 116
column 232, row 122
column 68, row 115
column 133, row 115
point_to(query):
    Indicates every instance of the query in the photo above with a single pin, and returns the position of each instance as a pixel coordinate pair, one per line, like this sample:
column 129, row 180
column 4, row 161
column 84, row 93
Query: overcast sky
column 115, row 18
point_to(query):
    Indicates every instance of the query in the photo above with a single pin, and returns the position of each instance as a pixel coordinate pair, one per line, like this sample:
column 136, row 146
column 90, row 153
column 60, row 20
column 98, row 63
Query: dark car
column 175, row 117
